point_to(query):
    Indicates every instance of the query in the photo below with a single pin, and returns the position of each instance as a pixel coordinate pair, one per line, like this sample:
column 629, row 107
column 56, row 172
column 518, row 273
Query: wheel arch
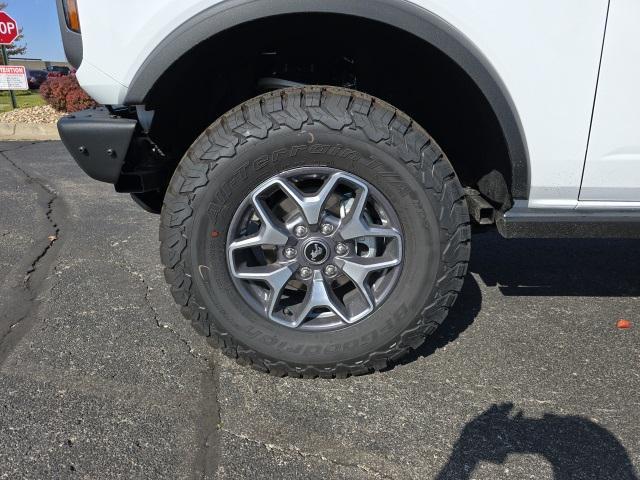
column 399, row 14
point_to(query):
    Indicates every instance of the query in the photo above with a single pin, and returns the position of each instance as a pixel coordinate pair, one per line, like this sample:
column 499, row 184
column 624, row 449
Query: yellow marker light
column 71, row 15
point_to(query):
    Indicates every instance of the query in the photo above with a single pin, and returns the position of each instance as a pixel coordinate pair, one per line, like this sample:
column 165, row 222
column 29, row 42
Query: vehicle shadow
column 460, row 317
column 557, row 267
column 538, row 267
column 574, row 446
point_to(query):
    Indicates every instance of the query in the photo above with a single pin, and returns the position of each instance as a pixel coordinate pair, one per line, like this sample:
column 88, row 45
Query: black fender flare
column 401, row 14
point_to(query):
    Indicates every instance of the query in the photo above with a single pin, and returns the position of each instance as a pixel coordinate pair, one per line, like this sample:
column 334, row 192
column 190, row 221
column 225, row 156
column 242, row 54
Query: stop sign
column 8, row 29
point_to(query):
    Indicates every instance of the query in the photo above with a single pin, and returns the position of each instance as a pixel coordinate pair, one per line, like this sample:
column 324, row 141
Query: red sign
column 8, row 29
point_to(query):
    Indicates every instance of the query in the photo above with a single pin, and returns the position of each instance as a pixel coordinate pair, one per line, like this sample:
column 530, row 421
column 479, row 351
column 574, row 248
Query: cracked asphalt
column 100, row 377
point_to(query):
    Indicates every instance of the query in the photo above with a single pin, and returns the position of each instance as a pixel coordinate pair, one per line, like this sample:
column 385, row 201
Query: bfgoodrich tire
column 286, row 145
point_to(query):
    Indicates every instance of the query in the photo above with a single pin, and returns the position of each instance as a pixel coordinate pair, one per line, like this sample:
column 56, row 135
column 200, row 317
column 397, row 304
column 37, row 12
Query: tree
column 18, row 47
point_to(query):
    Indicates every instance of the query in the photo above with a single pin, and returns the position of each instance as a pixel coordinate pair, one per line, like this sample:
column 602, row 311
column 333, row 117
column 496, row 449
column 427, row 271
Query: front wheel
column 315, row 231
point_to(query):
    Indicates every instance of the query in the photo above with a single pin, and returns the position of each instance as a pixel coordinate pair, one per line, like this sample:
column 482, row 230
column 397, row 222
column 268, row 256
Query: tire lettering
column 280, row 152
column 261, row 162
column 318, row 148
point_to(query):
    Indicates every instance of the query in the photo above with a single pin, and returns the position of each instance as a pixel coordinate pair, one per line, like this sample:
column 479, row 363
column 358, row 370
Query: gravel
column 41, row 114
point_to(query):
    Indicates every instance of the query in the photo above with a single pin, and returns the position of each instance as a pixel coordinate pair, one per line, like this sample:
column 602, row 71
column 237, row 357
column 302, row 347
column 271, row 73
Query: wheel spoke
column 359, row 268
column 356, row 209
column 275, row 275
column 270, row 232
column 310, row 205
column 353, row 225
column 357, row 227
column 319, row 295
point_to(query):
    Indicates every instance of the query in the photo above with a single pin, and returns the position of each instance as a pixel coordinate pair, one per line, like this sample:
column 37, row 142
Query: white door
column 612, row 168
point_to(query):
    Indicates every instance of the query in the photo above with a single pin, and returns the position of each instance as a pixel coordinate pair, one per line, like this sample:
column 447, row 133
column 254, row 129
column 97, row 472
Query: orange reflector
column 71, row 15
column 623, row 324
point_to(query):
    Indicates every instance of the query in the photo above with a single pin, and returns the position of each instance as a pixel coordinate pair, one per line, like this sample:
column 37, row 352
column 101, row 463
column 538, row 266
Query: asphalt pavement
column 100, row 376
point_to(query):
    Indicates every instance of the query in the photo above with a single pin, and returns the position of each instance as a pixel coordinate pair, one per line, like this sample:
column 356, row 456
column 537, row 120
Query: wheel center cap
column 316, row 252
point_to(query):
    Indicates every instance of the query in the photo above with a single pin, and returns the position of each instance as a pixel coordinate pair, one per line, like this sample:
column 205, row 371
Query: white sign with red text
column 13, row 78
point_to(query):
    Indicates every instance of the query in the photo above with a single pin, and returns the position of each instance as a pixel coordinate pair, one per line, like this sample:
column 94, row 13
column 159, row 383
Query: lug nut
column 330, row 270
column 300, row 231
column 341, row 249
column 326, row 228
column 290, row 252
column 305, row 272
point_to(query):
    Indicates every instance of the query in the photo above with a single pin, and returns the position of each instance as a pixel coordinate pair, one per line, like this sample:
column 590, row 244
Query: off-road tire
column 218, row 165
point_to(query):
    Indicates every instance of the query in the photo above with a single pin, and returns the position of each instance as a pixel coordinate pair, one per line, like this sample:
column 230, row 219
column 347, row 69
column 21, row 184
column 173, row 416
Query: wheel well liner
column 400, row 14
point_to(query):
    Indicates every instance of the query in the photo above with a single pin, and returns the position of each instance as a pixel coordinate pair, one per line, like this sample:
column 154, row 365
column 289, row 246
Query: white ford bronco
column 317, row 164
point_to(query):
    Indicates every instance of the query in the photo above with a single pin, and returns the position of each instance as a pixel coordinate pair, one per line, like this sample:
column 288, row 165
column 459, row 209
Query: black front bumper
column 98, row 141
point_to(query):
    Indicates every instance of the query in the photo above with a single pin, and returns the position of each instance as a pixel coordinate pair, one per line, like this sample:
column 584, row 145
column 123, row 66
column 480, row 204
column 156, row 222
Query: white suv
column 318, row 163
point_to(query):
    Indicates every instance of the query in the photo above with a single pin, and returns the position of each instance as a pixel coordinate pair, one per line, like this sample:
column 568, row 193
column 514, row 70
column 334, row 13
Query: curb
column 28, row 131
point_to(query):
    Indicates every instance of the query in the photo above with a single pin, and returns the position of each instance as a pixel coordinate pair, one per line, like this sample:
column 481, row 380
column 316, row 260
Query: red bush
column 65, row 94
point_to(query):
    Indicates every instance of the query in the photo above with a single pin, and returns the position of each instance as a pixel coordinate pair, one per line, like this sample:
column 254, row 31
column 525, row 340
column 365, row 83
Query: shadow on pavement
column 557, row 267
column 538, row 267
column 460, row 317
column 575, row 447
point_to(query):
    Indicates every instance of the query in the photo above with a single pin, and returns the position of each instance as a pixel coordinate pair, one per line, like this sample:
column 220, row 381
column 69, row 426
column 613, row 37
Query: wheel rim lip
column 249, row 295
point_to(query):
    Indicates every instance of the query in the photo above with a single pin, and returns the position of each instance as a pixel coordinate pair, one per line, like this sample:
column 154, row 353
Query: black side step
column 523, row 222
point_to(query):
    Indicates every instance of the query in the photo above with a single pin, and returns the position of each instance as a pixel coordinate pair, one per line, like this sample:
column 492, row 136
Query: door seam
column 595, row 97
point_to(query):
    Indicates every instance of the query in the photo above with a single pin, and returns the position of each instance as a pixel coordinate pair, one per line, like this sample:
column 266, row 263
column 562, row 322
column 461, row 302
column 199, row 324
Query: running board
column 522, row 222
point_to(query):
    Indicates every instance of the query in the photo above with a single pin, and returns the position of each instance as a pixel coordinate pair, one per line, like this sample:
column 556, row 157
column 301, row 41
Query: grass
column 25, row 98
